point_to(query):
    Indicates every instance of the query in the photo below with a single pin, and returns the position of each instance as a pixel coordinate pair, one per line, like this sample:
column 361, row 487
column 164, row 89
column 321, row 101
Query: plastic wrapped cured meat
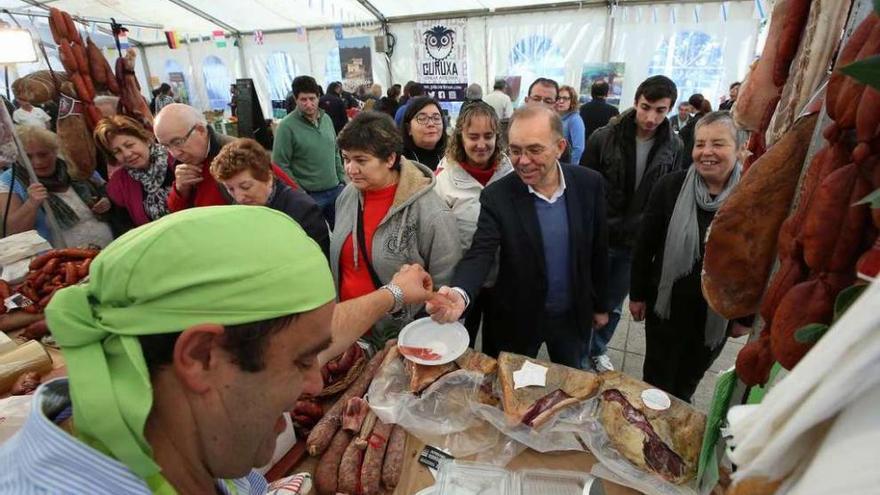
column 76, row 140
column 130, row 91
column 760, row 90
column 810, row 66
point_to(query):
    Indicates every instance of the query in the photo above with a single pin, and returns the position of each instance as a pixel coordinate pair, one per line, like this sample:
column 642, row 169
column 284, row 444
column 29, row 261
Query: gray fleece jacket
column 418, row 228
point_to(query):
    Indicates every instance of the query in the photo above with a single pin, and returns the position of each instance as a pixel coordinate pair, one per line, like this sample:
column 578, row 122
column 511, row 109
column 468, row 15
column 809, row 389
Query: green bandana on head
column 226, row 265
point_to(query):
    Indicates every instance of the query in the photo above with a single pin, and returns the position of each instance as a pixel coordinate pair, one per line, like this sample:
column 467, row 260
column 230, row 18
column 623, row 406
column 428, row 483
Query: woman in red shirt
column 388, row 215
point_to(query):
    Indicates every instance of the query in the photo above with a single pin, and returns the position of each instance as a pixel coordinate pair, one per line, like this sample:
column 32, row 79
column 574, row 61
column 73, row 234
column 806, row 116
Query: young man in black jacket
column 631, row 152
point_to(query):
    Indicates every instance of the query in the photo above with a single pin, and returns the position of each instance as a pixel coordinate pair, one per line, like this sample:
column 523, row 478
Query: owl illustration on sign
column 439, row 41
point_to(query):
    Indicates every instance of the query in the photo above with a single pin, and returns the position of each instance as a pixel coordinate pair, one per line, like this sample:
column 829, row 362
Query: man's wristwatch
column 397, row 292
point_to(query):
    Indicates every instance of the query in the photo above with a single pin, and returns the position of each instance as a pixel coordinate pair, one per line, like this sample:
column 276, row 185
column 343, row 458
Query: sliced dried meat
column 544, row 404
column 419, row 352
column 658, row 455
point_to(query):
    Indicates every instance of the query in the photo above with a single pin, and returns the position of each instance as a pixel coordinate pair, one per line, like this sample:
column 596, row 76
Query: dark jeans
column 562, row 336
column 676, row 357
column 326, row 201
column 620, row 262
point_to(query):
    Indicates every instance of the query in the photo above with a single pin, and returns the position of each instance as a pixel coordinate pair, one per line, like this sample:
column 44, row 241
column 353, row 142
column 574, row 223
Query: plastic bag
column 624, row 472
column 559, row 433
column 441, row 416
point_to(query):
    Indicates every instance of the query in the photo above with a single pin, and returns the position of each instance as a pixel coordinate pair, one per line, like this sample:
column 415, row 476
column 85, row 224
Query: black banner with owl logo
column 441, row 58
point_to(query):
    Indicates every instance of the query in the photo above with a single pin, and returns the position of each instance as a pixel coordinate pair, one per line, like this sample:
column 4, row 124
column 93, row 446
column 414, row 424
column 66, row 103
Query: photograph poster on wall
column 611, row 72
column 178, row 86
column 441, row 60
column 356, row 63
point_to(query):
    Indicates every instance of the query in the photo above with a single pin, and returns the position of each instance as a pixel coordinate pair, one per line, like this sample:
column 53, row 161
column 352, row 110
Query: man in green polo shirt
column 305, row 147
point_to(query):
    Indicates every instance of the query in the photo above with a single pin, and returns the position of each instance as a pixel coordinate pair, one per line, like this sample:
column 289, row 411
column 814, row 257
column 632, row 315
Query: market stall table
column 416, row 477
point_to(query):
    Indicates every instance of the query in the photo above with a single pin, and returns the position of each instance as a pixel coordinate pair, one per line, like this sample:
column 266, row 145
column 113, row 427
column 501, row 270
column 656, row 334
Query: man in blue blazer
column 547, row 225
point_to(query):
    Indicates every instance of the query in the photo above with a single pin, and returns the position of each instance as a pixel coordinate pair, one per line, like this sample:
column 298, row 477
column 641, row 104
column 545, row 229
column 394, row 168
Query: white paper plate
column 449, row 340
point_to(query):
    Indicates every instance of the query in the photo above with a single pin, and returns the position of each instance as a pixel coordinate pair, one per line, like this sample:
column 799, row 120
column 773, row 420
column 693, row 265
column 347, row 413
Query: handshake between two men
column 445, row 306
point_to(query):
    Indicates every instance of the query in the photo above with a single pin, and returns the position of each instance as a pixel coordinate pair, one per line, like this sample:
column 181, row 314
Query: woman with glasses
column 387, row 216
column 424, row 132
column 141, row 187
column 572, row 123
column 473, row 161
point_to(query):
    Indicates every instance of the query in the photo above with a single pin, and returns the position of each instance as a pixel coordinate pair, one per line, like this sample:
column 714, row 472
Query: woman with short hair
column 424, row 132
column 244, row 169
column 572, row 124
column 683, row 335
column 388, row 215
column 78, row 205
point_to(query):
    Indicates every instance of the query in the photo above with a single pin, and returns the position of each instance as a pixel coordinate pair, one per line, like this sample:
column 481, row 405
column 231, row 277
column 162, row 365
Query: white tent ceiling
column 200, row 17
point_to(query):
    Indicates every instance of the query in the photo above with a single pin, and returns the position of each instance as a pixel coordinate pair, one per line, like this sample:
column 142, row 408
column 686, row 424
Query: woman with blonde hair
column 572, row 124
column 79, row 206
column 473, row 161
column 142, row 184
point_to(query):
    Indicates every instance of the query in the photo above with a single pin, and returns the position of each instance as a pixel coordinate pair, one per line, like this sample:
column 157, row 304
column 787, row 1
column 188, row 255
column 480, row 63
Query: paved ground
column 627, row 353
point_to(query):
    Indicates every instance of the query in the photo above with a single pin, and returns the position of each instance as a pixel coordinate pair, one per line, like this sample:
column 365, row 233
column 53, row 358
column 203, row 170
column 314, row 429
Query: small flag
column 123, row 39
column 258, row 37
column 219, row 38
column 724, row 11
column 625, row 14
column 697, row 14
column 654, row 14
column 337, row 30
column 173, row 40
column 673, row 14
column 638, row 15
column 759, row 9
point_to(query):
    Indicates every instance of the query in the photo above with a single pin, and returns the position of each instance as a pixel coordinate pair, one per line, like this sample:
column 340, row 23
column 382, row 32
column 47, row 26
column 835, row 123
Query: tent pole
column 241, row 58
column 146, row 66
column 489, row 81
column 609, row 33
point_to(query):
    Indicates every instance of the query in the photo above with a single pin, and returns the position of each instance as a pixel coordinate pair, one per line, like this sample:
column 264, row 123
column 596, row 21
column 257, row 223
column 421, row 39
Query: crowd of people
column 535, row 223
column 531, row 224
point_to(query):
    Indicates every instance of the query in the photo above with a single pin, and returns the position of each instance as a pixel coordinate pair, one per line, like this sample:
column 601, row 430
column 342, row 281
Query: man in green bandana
column 192, row 337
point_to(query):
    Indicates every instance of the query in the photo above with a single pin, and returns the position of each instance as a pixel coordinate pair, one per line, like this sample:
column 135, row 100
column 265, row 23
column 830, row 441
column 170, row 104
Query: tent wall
column 714, row 51
column 702, row 46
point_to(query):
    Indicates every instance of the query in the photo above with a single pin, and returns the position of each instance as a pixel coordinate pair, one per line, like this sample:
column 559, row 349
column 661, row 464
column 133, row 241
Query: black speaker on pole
column 251, row 122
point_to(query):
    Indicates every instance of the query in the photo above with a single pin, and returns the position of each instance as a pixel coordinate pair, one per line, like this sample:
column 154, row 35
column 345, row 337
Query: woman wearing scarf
column 141, row 187
column 78, row 205
column 244, row 169
column 473, row 161
column 683, row 335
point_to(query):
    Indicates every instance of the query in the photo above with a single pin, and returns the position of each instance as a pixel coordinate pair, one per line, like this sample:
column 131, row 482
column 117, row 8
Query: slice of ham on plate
column 427, row 342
